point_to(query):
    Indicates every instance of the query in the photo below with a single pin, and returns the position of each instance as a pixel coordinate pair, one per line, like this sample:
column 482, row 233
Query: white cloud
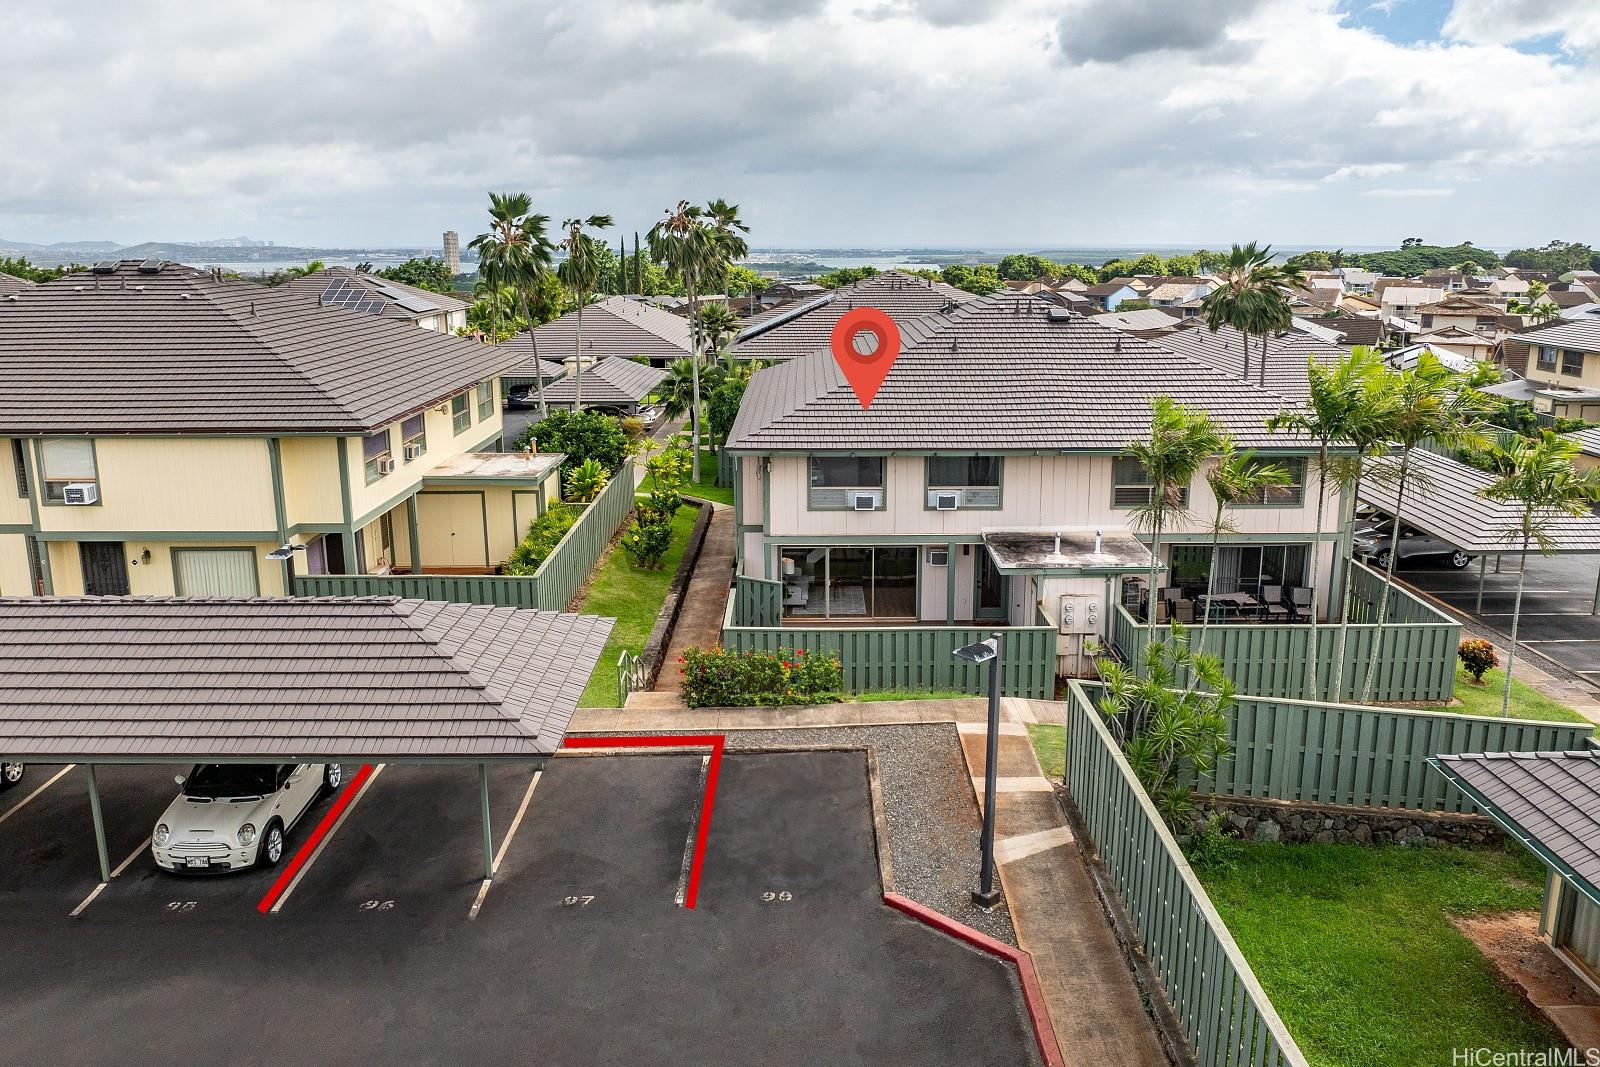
column 1363, row 170
column 1408, row 194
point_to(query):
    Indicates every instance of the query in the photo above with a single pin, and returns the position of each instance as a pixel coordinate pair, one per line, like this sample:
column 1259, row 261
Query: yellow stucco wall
column 152, row 577
column 311, row 480
column 443, row 444
column 13, row 508
column 14, row 566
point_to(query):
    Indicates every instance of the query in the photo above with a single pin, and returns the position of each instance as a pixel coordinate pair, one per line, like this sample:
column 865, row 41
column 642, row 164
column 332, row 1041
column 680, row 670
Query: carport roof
column 150, row 680
column 1443, row 497
column 617, row 380
column 1548, row 800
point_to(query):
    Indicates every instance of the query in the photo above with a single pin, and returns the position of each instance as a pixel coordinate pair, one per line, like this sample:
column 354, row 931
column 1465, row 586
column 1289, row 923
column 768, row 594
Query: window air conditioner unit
column 80, row 493
column 413, row 450
column 944, row 499
column 386, row 465
column 938, row 557
column 866, row 501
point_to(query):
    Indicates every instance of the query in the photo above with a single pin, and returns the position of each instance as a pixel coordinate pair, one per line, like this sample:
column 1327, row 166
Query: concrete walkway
column 704, row 601
column 1096, row 1008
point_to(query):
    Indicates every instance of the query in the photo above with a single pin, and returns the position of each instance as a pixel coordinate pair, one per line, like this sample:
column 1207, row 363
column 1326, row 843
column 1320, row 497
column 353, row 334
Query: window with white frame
column 414, row 436
column 1131, row 487
column 460, row 413
column 377, row 454
column 1571, row 363
column 67, row 461
column 976, row 478
column 1547, row 358
column 1291, row 494
column 843, row 481
column 485, row 400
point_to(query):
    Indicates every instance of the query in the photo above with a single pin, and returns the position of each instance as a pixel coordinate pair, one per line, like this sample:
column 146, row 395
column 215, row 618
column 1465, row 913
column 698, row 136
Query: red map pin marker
column 865, row 359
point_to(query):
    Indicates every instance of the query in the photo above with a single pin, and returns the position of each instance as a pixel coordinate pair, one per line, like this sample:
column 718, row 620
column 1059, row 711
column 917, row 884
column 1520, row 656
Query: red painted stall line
column 345, row 796
column 1032, row 993
column 703, row 832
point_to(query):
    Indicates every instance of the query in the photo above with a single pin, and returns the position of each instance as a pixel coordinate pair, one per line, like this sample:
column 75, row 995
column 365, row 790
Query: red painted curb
column 1032, row 993
column 300, row 857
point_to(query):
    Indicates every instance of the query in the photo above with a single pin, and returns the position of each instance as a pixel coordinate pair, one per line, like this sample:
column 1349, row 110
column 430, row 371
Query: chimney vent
column 1097, row 542
column 1058, row 543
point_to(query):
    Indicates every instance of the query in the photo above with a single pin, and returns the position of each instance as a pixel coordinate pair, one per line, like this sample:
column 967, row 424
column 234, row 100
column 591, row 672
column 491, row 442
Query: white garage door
column 215, row 572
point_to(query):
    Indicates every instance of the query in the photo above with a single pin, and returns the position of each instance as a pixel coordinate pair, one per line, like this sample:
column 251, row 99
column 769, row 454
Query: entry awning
column 1550, row 801
column 1443, row 497
column 494, row 468
column 287, row 680
column 1068, row 551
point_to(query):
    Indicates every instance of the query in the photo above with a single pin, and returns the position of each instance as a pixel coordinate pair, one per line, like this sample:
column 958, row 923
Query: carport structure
column 101, row 680
column 1444, row 497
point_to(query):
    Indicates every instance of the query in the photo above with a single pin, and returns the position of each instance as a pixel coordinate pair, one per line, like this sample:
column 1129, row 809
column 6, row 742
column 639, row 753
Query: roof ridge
column 453, row 658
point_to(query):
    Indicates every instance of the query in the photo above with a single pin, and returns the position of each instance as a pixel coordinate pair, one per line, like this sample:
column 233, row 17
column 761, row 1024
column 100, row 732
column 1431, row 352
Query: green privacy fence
column 549, row 588
column 903, row 657
column 1222, row 1008
column 1416, row 652
column 758, row 602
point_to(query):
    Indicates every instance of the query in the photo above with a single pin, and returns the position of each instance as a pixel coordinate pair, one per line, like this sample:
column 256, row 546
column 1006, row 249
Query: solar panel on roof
column 416, row 303
column 105, row 266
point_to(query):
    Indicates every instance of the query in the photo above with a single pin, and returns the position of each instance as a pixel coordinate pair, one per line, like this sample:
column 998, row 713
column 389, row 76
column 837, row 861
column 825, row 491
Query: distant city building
column 452, row 251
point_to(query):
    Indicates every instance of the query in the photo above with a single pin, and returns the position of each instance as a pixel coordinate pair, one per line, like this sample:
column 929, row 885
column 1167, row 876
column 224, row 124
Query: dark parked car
column 10, row 774
column 1372, row 541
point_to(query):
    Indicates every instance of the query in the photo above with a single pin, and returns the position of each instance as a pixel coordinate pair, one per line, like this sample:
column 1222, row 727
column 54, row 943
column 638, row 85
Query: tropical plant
column 1171, row 734
column 1180, row 441
column 1537, row 475
column 718, row 324
column 425, row 273
column 586, row 480
column 1430, row 404
column 1328, row 418
column 493, row 313
column 727, row 239
column 646, row 542
column 580, row 436
column 1250, row 298
column 582, row 271
column 684, row 241
column 684, row 385
column 1233, row 477
column 309, row 268
column 514, row 253
column 544, row 533
column 1478, row 657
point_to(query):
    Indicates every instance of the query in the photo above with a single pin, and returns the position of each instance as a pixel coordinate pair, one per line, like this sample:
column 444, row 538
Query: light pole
column 987, row 895
column 285, row 554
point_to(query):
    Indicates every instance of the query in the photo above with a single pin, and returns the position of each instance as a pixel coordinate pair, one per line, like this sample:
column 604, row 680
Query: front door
column 105, row 568
column 989, row 603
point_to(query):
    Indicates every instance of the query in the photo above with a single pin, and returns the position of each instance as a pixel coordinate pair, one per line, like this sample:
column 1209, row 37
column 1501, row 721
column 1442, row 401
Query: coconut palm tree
column 581, row 273
column 727, row 245
column 1250, row 298
column 1537, row 474
column 1333, row 404
column 1180, row 441
column 718, row 325
column 515, row 253
column 1235, row 476
column 683, row 240
column 1431, row 404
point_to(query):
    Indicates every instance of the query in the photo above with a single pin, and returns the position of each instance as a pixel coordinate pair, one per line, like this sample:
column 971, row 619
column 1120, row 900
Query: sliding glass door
column 850, row 582
column 1240, row 568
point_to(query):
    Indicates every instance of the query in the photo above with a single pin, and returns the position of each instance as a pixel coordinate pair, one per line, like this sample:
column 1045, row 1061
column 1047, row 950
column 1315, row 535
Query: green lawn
column 1355, row 948
column 707, row 488
column 633, row 596
column 1050, row 745
column 907, row 694
column 1526, row 701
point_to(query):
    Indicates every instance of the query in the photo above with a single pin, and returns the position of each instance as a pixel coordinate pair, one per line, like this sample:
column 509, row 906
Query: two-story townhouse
column 804, row 326
column 346, row 288
column 166, row 429
column 1406, row 301
column 1563, row 368
column 1112, row 294
column 1002, row 424
column 1461, row 313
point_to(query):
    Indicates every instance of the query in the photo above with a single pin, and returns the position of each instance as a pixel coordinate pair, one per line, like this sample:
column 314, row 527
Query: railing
column 1226, row 1015
column 759, row 601
column 631, row 676
column 1416, row 650
column 549, row 588
column 906, row 657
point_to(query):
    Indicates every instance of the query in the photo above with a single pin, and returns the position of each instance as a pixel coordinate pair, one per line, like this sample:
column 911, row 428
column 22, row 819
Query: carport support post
column 488, row 838
column 1594, row 609
column 1483, row 568
column 99, row 826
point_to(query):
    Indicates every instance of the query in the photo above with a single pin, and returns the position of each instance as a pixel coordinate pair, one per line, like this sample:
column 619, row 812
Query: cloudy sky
column 1032, row 123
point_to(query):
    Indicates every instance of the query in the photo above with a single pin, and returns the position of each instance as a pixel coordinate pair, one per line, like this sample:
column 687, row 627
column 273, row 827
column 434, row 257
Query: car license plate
column 196, row 861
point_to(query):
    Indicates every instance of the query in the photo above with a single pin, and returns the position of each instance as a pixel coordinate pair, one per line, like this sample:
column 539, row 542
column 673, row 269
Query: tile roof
column 1287, row 353
column 10, row 283
column 1151, row 320
column 1007, row 372
column 1443, row 497
column 173, row 349
column 1583, row 334
column 1408, row 295
column 797, row 329
column 340, row 286
column 1357, row 329
column 1588, row 440
column 617, row 380
column 287, row 679
column 1551, row 799
column 615, row 326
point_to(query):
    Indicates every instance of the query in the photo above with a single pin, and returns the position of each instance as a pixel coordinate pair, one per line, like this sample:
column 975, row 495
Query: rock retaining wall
column 1279, row 820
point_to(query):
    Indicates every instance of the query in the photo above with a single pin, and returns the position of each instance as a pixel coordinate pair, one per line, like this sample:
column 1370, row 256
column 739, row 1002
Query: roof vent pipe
column 1058, row 543
column 1097, row 542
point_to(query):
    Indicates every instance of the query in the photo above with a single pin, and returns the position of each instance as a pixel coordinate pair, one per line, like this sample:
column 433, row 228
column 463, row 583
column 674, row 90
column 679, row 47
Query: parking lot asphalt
column 1556, row 603
column 578, row 955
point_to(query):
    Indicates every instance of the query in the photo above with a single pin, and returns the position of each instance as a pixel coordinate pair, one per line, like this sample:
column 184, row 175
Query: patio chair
column 1185, row 611
column 1301, row 604
column 1176, row 606
column 1272, row 606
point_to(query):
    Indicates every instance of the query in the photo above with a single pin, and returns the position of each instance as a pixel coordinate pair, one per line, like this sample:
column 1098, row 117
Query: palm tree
column 581, row 272
column 310, row 268
column 1180, row 441
column 718, row 324
column 727, row 243
column 1328, row 416
column 515, row 253
column 684, row 241
column 1430, row 404
column 1250, row 298
column 1235, row 476
column 1537, row 473
column 677, row 390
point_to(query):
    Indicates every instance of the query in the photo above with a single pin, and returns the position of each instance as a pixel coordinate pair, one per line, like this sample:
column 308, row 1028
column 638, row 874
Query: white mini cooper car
column 231, row 816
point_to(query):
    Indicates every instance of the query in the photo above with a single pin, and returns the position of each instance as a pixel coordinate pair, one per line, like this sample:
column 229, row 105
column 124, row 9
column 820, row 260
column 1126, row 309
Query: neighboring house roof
column 1458, row 305
column 1145, row 320
column 1409, row 356
column 617, row 380
column 1581, row 334
column 287, row 679
column 807, row 326
column 1456, row 335
column 1287, row 353
column 1173, row 291
column 1444, row 497
column 1548, row 800
column 1357, row 329
column 10, row 283
column 1358, row 302
column 1322, row 333
column 1580, row 311
column 164, row 348
column 1104, row 289
column 1357, row 277
column 1588, row 440
column 346, row 288
column 1003, row 372
column 615, row 326
column 1566, row 298
column 1408, row 295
